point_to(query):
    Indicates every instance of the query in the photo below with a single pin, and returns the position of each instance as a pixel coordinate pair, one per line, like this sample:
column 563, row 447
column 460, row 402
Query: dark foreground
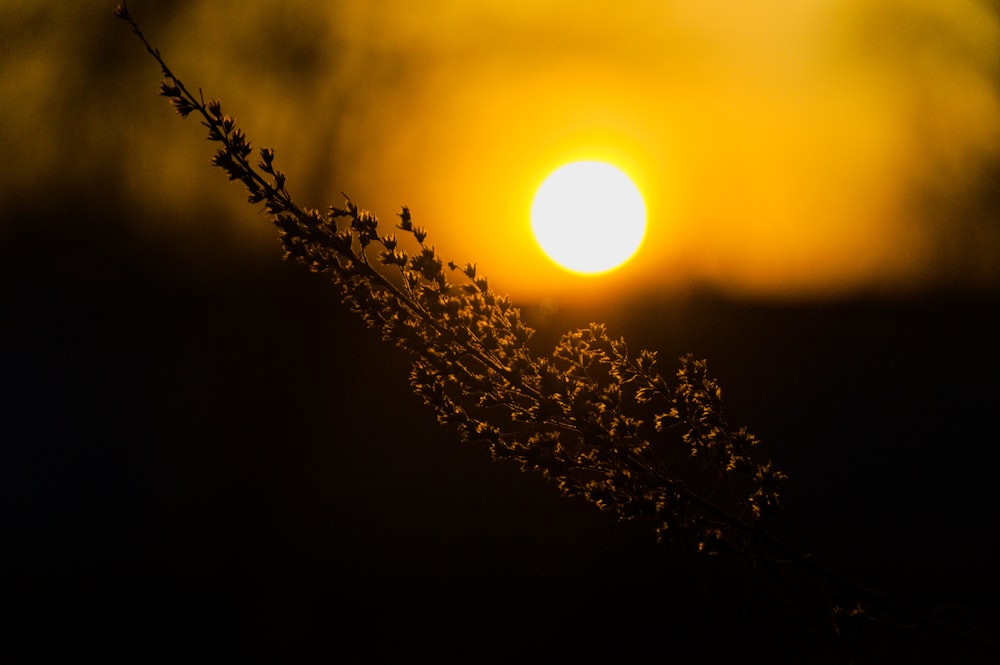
column 213, row 459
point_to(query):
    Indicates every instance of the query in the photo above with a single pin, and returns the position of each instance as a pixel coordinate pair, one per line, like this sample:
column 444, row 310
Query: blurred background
column 200, row 445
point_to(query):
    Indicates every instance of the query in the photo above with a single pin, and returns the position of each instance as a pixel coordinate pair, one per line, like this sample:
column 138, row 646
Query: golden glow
column 786, row 149
column 589, row 217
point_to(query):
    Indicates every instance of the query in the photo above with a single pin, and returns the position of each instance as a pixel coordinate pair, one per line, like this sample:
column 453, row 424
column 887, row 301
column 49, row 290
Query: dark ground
column 211, row 458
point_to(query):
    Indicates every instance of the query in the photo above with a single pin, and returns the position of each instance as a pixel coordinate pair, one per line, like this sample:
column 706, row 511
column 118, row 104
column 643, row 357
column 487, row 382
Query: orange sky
column 816, row 148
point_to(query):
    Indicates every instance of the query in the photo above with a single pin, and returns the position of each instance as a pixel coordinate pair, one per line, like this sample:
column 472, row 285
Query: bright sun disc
column 588, row 217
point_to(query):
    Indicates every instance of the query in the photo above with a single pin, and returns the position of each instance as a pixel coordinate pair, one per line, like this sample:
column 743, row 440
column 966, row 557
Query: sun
column 588, row 217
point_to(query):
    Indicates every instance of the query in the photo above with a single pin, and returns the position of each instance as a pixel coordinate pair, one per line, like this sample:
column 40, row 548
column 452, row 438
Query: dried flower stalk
column 593, row 417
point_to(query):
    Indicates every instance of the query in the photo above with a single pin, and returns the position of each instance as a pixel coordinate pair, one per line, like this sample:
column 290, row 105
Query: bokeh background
column 200, row 445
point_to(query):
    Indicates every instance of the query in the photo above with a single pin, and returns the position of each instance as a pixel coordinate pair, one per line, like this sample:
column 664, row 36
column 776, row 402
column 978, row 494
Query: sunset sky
column 810, row 149
column 195, row 428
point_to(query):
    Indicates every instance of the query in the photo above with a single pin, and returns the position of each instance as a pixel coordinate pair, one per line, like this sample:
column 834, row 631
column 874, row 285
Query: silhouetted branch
column 595, row 418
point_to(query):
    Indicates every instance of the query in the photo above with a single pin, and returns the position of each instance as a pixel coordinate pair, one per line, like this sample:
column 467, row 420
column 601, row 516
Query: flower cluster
column 596, row 419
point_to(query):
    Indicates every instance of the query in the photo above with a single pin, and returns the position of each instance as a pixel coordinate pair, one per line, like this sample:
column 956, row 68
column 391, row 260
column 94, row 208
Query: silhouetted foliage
column 596, row 418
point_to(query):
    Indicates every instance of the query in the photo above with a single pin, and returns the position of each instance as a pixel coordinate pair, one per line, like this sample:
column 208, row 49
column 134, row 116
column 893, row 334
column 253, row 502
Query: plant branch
column 591, row 417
